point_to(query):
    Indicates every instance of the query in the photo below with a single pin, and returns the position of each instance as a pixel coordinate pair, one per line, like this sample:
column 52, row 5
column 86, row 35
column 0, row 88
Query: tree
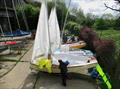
column 73, row 28
column 80, row 17
column 32, row 9
column 108, row 16
column 105, row 22
column 117, row 24
column 109, row 20
column 31, row 13
column 115, row 9
column 100, row 24
column 89, row 20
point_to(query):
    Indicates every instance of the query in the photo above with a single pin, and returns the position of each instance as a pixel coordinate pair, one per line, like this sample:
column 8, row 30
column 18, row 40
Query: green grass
column 110, row 34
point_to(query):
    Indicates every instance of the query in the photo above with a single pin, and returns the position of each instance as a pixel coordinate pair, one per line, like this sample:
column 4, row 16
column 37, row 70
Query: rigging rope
column 1, row 30
column 65, row 20
column 13, row 4
column 8, row 17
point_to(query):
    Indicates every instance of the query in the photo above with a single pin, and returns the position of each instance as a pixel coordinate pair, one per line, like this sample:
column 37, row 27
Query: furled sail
column 54, row 30
column 41, row 44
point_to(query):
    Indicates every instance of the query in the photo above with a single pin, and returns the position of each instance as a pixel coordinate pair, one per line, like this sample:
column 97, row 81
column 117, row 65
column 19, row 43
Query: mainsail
column 54, row 30
column 41, row 44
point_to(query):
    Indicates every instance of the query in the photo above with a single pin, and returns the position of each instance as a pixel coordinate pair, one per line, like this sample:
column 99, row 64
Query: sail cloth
column 54, row 30
column 41, row 44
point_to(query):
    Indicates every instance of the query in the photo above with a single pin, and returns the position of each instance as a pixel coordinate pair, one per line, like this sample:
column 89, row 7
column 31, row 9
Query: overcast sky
column 93, row 6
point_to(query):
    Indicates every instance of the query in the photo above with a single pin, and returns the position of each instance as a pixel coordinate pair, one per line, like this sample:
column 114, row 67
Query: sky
column 95, row 7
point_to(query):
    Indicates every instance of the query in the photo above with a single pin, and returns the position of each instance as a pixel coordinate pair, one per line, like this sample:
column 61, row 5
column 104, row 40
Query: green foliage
column 100, row 24
column 80, row 17
column 106, row 21
column 111, row 34
column 89, row 20
column 73, row 28
column 61, row 13
column 117, row 24
column 31, row 10
column 31, row 14
column 116, row 79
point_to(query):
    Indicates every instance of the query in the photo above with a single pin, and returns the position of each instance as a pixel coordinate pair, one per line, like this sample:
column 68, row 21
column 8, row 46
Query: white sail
column 54, row 30
column 41, row 44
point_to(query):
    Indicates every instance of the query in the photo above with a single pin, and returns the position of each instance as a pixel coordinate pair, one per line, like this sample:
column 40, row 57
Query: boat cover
column 17, row 33
column 75, row 58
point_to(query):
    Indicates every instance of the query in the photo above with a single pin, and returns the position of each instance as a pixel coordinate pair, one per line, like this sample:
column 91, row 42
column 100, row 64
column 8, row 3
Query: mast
column 65, row 21
column 23, row 14
column 1, row 30
column 8, row 17
column 16, row 14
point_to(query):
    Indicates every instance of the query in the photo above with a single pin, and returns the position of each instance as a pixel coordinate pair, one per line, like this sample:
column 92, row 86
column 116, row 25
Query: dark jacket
column 63, row 66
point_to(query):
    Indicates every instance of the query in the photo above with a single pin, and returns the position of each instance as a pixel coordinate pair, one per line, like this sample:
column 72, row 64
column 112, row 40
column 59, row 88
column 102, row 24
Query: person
column 63, row 70
column 73, row 39
column 65, row 38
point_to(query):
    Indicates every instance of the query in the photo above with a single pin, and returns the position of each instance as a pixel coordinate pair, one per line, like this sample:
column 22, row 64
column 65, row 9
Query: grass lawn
column 110, row 34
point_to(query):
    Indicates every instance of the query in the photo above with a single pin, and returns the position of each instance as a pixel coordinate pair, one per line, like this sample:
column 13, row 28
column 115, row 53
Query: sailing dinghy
column 47, row 41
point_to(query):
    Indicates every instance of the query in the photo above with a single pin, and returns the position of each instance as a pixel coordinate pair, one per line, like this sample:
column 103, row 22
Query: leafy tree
column 73, row 28
column 117, row 24
column 31, row 14
column 117, row 21
column 61, row 13
column 108, row 16
column 100, row 24
column 78, row 15
column 89, row 20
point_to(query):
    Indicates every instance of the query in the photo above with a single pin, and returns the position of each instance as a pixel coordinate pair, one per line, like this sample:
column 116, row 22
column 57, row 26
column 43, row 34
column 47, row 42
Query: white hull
column 15, row 38
column 78, row 62
column 73, row 69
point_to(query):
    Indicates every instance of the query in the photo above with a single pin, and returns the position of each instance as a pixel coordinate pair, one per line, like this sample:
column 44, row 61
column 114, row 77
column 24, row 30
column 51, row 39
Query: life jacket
column 44, row 63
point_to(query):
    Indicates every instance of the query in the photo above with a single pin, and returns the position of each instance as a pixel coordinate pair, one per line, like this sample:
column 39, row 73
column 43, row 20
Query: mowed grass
column 110, row 34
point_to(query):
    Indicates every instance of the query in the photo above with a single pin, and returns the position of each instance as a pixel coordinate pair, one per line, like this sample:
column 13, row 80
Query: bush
column 116, row 78
column 104, row 49
column 88, row 35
